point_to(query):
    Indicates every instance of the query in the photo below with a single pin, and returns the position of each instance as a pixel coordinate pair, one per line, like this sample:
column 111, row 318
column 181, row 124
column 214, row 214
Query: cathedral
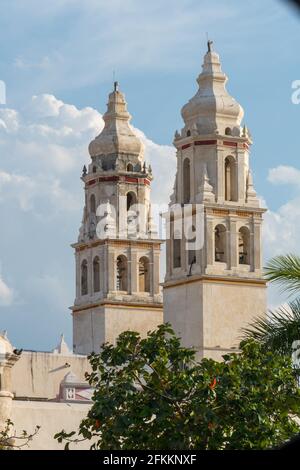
column 213, row 283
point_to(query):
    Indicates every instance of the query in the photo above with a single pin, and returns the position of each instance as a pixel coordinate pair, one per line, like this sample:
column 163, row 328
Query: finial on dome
column 212, row 108
column 209, row 45
column 117, row 136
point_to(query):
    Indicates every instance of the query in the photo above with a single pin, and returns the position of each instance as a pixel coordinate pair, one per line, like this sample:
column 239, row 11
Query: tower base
column 208, row 312
column 103, row 323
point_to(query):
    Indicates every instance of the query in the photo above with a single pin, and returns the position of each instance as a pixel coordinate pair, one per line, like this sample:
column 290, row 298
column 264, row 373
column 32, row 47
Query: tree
column 151, row 394
column 284, row 270
column 9, row 440
column 281, row 328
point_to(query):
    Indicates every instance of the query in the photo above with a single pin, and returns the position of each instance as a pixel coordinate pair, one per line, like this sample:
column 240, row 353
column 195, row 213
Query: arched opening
column 94, row 169
column 191, row 238
column 131, row 199
column 186, row 181
column 144, row 275
column 130, row 167
column 84, row 277
column 188, row 133
column 96, row 274
column 176, row 252
column 93, row 204
column 230, row 180
column 192, row 257
column 228, row 131
column 220, row 243
column 244, row 245
column 122, row 278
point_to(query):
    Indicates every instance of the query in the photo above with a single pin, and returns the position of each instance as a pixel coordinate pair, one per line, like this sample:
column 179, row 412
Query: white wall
column 52, row 417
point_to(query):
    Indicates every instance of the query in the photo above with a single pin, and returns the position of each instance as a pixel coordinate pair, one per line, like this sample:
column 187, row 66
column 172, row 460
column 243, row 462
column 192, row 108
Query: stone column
column 133, row 272
column 90, row 271
column 233, row 244
column 241, row 176
column 78, row 274
column 192, row 176
column 7, row 359
column 111, row 268
column 257, row 244
column 168, row 258
column 180, row 177
column 209, row 241
column 220, row 190
column 155, row 271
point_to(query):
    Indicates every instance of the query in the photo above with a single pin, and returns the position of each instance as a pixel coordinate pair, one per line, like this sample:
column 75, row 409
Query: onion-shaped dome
column 117, row 135
column 212, row 109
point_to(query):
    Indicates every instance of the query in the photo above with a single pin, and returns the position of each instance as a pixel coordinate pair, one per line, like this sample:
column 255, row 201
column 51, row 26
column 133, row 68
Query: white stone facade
column 210, row 293
column 117, row 253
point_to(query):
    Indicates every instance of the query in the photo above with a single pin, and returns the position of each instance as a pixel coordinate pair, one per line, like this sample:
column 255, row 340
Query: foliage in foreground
column 151, row 394
column 9, row 440
column 280, row 329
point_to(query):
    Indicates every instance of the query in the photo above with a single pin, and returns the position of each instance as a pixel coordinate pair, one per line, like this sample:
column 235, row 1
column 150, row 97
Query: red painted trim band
column 230, row 144
column 205, row 142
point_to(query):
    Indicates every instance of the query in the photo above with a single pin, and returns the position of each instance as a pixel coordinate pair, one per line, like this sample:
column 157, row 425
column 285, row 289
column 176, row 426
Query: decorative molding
column 127, row 305
column 203, row 279
column 205, row 142
column 229, row 143
column 107, row 241
column 220, row 212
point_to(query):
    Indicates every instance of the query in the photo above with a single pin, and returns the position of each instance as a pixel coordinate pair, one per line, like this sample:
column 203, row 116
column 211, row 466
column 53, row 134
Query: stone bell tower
column 118, row 252
column 213, row 289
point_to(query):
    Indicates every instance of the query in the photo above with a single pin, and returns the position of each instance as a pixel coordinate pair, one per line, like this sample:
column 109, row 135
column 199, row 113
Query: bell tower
column 213, row 287
column 118, row 252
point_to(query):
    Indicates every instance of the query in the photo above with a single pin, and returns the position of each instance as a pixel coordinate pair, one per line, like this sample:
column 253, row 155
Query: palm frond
column 284, row 270
column 278, row 330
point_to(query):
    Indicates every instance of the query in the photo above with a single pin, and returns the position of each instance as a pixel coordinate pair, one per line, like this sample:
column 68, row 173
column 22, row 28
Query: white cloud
column 42, row 150
column 23, row 64
column 129, row 44
column 284, row 175
column 6, row 294
column 163, row 161
column 282, row 226
column 43, row 147
column 30, row 192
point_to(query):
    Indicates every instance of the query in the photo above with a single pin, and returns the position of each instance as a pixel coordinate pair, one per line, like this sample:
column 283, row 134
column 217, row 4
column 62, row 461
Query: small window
column 230, row 179
column 244, row 246
column 144, row 275
column 96, row 274
column 84, row 278
column 191, row 257
column 220, row 243
column 186, row 181
column 94, row 169
column 188, row 133
column 130, row 167
column 93, row 204
column 131, row 199
column 228, row 131
column 122, row 280
column 176, row 253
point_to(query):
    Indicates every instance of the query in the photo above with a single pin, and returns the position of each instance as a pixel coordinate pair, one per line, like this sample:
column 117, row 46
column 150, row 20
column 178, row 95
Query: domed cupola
column 212, row 109
column 117, row 136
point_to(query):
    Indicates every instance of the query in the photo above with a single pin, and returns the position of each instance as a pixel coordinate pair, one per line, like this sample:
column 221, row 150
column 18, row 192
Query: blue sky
column 64, row 53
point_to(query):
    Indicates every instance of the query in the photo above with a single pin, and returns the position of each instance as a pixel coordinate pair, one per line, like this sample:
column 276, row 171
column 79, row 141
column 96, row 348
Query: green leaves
column 285, row 271
column 9, row 440
column 279, row 330
column 151, row 394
